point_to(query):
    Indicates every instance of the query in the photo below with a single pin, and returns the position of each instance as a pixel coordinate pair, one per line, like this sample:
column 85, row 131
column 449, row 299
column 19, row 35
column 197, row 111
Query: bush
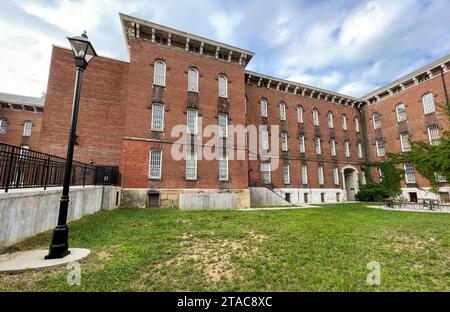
column 371, row 192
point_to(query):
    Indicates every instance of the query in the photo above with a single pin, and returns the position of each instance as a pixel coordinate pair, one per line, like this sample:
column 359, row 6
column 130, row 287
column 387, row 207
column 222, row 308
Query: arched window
column 330, row 120
column 299, row 114
column 160, row 74
column 428, row 103
column 192, row 80
column 376, row 120
column 401, row 112
column 3, row 125
column 315, row 117
column 263, row 108
column 223, row 86
column 344, row 122
column 282, row 111
column 356, row 124
column 27, row 128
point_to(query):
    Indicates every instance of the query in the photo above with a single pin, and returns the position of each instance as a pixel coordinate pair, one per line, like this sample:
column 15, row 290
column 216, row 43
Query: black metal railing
column 24, row 168
column 270, row 186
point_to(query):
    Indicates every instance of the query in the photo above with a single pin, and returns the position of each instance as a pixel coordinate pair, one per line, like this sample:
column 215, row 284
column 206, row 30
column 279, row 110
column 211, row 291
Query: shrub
column 371, row 192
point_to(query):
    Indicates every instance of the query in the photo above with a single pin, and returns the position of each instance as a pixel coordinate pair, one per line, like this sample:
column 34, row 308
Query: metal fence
column 24, row 168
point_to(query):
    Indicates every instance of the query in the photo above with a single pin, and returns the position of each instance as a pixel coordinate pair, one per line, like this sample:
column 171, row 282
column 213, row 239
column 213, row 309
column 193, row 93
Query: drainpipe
column 445, row 86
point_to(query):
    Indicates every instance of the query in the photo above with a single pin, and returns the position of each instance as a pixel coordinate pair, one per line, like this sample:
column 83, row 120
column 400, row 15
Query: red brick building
column 152, row 118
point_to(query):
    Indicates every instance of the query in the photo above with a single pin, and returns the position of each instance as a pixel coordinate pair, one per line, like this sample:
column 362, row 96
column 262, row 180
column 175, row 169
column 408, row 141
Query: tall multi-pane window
column 410, row 176
column 282, row 111
column 380, row 147
column 344, row 122
column 330, row 120
column 223, row 167
column 304, row 174
column 192, row 120
column 376, row 120
column 284, row 141
column 315, row 114
column 27, row 126
column 360, row 151
column 401, row 112
column 286, row 174
column 223, row 125
column 223, row 86
column 356, row 124
column 155, row 164
column 263, row 104
column 346, row 148
column 320, row 175
column 265, row 168
column 333, row 147
column 299, row 114
column 428, row 103
column 191, row 166
column 433, row 134
column 336, row 175
column 264, row 139
column 380, row 174
column 192, row 80
column 3, row 125
column 301, row 141
column 157, row 117
column 159, row 78
column 318, row 145
column 404, row 142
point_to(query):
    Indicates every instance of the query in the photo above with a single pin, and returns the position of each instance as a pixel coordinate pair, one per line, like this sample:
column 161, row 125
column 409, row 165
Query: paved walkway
column 279, row 208
column 409, row 210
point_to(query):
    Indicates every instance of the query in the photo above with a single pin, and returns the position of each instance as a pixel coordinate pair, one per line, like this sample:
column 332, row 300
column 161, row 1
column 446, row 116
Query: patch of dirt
column 402, row 242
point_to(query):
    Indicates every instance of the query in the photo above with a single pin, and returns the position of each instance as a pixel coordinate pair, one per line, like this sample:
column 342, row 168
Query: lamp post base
column 60, row 246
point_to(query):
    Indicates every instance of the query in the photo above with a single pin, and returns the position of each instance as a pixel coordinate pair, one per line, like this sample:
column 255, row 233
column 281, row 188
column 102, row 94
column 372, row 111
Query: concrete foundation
column 261, row 196
column 27, row 212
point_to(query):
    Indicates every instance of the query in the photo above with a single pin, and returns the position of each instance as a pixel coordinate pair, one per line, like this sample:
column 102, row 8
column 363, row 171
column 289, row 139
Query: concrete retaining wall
column 261, row 196
column 27, row 212
column 208, row 201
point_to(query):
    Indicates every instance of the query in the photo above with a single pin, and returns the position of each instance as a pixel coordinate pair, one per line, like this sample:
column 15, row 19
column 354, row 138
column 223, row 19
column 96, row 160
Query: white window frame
column 344, row 122
column 333, row 147
column 223, row 128
column 410, row 176
column 286, row 174
column 159, row 77
column 320, row 175
column 330, row 120
column 318, row 146
column 266, row 170
column 299, row 114
column 380, row 174
column 284, row 142
column 282, row 111
column 401, row 115
column 357, row 129
column 315, row 114
column 428, row 103
column 223, row 86
column 263, row 105
column 191, row 164
column 336, row 176
column 301, row 142
column 405, row 143
column 193, row 80
column 347, row 148
column 192, row 121
column 222, row 177
column 27, row 127
column 434, row 134
column 377, row 143
column 150, row 165
column 154, row 120
column 265, row 139
column 360, row 151
column 376, row 121
column 3, row 125
column 304, row 173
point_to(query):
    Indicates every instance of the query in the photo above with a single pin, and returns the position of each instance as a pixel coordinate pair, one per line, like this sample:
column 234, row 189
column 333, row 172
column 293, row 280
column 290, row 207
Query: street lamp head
column 82, row 49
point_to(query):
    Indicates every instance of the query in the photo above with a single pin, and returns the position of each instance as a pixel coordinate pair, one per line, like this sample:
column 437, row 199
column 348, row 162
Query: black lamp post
column 83, row 53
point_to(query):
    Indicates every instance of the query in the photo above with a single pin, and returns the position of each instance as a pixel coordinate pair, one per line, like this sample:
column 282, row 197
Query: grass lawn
column 318, row 249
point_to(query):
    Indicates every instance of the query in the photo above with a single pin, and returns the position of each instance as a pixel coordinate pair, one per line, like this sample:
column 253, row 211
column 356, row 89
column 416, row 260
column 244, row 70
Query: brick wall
column 16, row 120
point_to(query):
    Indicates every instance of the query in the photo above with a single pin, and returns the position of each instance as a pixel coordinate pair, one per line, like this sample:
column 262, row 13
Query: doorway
column 350, row 183
column 153, row 200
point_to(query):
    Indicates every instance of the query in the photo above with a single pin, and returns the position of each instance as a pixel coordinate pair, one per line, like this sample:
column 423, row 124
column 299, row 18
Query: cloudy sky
column 348, row 46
